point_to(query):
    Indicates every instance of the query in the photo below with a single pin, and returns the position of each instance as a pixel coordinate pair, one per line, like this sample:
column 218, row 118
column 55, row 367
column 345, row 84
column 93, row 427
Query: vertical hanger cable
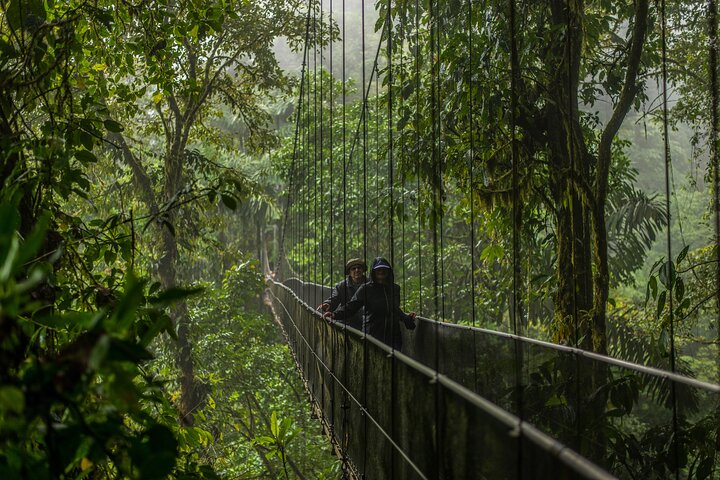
column 670, row 274
column 418, row 190
column 514, row 73
column 471, row 189
column 714, row 127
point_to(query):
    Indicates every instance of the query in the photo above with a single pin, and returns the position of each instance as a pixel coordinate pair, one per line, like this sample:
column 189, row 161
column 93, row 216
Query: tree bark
column 568, row 159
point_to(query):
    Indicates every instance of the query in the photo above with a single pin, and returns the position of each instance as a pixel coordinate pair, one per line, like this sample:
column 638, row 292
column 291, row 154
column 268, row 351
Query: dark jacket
column 381, row 304
column 341, row 294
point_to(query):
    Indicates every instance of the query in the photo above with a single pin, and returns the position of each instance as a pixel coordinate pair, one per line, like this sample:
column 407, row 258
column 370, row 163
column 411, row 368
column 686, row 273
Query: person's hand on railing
column 323, row 307
column 329, row 317
column 410, row 321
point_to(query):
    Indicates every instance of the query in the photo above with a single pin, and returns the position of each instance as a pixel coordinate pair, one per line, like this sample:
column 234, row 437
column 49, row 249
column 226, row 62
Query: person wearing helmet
column 380, row 300
column 343, row 291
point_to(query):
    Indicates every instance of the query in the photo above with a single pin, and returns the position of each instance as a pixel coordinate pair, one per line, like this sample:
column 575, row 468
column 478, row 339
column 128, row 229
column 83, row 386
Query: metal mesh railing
column 616, row 413
column 397, row 418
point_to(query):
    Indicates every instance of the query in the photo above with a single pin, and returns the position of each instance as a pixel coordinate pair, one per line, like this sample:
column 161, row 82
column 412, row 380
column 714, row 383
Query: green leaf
column 109, row 256
column 681, row 256
column 679, row 289
column 11, row 399
column 705, row 468
column 667, row 274
column 661, row 303
column 175, row 293
column 274, row 424
column 85, row 156
column 7, row 268
column 664, row 342
column 126, row 351
column 9, row 220
column 155, row 452
column 87, row 140
column 264, row 440
column 99, row 352
column 492, row 252
column 124, row 314
column 154, row 287
column 229, row 201
column 25, row 14
column 162, row 323
column 652, row 288
column 34, row 241
column 113, row 126
column 556, row 401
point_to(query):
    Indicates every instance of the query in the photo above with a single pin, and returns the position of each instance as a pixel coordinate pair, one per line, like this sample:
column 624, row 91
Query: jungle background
column 151, row 171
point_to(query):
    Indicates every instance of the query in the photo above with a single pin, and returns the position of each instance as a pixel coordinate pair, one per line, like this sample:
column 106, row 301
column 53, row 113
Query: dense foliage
column 120, row 127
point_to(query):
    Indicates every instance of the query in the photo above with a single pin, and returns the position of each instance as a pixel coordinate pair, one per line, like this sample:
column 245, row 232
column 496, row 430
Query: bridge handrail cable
column 652, row 371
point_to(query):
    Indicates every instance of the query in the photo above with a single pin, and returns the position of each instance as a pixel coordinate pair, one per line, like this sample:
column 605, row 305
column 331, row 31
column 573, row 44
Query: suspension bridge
column 370, row 174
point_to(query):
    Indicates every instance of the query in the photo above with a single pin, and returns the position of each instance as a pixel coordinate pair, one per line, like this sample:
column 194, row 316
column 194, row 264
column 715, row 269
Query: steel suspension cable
column 330, row 232
column 306, row 198
column 440, row 166
column 332, row 128
column 436, row 181
column 471, row 190
column 514, row 74
column 393, row 320
column 315, row 156
column 670, row 275
column 403, row 162
column 346, row 405
column 417, row 159
column 378, row 216
column 714, row 127
column 365, row 236
column 321, row 280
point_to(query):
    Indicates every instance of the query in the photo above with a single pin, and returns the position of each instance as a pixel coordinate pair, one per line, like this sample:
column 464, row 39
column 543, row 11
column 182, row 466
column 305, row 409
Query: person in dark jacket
column 343, row 291
column 380, row 299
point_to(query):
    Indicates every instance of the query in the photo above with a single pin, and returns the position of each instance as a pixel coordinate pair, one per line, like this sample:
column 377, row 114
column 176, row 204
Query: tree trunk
column 190, row 395
column 570, row 173
column 569, row 169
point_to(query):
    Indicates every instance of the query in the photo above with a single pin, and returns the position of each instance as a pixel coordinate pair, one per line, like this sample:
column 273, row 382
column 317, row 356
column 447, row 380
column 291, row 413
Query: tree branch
column 627, row 97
